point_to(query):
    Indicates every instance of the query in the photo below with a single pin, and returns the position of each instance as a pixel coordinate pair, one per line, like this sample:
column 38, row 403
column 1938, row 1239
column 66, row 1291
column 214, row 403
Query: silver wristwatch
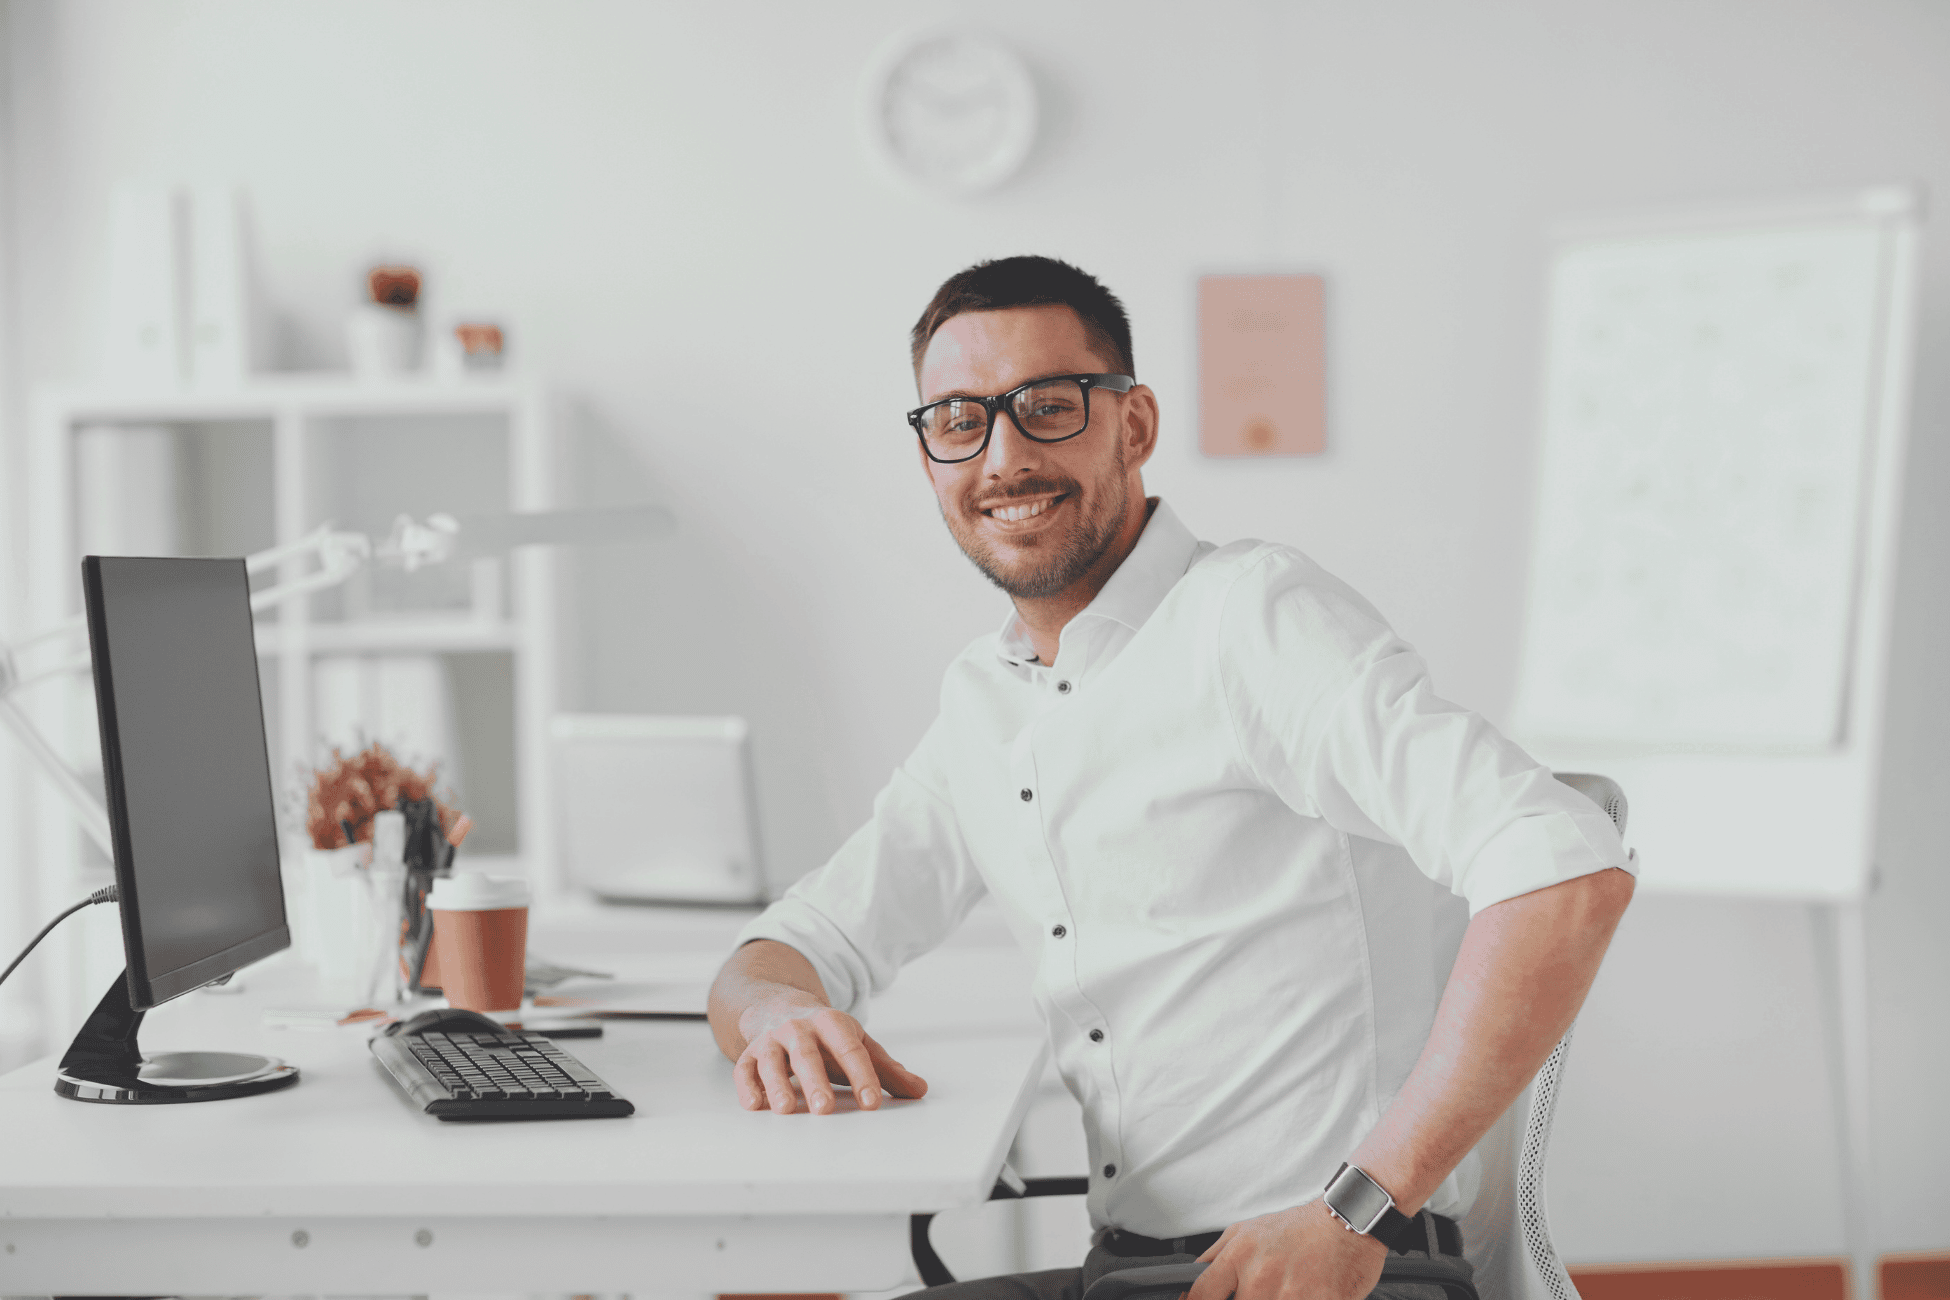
column 1363, row 1205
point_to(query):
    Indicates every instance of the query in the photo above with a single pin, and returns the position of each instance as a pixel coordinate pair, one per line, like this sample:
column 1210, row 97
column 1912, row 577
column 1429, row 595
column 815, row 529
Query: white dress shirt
column 1236, row 828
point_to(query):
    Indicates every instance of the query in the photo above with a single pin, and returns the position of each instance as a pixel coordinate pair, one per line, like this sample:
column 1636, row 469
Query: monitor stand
column 104, row 1064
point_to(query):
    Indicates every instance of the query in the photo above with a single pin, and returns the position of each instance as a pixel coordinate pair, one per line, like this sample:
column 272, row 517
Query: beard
column 1056, row 561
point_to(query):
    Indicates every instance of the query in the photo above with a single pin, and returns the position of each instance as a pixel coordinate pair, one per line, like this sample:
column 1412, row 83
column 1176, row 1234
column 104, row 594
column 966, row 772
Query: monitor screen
column 185, row 770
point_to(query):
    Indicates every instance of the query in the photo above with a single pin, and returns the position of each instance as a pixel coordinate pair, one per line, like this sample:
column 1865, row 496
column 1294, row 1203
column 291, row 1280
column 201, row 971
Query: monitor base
column 104, row 1064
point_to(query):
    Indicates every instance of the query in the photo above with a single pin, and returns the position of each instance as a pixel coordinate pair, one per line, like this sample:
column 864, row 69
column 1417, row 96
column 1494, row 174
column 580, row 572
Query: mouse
column 447, row 1020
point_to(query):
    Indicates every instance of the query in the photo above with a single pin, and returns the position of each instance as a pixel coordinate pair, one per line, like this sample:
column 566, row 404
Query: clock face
column 955, row 111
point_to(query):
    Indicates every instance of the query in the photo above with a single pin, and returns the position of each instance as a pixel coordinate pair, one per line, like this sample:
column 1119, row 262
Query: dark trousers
column 1071, row 1283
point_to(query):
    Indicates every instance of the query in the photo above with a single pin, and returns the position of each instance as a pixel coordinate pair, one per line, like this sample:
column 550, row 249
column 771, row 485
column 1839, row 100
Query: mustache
column 978, row 502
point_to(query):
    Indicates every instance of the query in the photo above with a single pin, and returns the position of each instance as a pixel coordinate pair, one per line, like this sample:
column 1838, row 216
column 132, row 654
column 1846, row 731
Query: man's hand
column 820, row 1047
column 770, row 1016
column 1298, row 1254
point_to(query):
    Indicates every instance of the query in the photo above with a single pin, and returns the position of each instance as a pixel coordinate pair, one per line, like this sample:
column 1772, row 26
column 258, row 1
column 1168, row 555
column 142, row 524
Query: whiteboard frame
column 1792, row 824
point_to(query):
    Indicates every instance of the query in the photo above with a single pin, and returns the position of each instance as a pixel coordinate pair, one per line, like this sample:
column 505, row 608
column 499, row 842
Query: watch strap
column 1389, row 1227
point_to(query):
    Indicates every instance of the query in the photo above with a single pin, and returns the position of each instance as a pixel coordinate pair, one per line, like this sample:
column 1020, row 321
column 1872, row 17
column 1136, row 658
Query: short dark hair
column 1030, row 282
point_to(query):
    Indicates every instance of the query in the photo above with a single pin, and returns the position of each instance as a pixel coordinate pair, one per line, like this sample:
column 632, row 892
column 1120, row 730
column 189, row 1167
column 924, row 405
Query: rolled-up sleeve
column 1338, row 716
column 895, row 889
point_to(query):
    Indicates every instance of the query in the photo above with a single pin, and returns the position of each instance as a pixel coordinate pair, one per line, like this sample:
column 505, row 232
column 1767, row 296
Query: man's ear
column 1140, row 425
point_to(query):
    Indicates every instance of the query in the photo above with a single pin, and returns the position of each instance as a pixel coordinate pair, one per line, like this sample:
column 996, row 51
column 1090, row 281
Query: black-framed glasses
column 1054, row 409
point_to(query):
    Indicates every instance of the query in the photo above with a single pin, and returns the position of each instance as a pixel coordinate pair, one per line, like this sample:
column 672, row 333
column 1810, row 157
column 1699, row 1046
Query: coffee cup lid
column 470, row 891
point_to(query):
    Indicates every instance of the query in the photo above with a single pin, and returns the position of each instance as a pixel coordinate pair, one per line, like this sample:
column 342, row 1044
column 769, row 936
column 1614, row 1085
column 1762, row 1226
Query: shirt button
column 1110, row 1171
column 1063, row 688
column 1096, row 1035
column 1059, row 931
column 1026, row 796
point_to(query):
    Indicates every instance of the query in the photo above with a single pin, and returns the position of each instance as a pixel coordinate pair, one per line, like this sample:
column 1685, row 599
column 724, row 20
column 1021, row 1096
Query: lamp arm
column 339, row 556
column 81, row 797
column 283, row 591
column 315, row 540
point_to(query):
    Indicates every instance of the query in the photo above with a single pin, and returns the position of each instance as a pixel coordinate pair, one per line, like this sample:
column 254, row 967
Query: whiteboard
column 1723, row 424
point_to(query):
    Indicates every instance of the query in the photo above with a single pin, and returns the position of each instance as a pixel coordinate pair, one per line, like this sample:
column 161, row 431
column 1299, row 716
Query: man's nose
column 1009, row 452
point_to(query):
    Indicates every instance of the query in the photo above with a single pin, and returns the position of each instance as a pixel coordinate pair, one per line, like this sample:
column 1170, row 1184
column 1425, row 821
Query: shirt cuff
column 812, row 934
column 1536, row 852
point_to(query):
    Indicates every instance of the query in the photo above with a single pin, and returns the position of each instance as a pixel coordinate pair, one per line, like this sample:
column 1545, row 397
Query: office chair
column 1506, row 1233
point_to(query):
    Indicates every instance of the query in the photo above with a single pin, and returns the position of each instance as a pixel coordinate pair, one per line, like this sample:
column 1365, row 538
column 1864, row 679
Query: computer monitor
column 187, row 780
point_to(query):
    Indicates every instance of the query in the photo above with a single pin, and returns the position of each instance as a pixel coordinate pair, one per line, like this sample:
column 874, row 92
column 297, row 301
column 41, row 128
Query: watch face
column 1357, row 1199
column 955, row 111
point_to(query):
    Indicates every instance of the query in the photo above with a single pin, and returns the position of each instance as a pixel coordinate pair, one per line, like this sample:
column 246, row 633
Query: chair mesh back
column 1531, row 1215
column 1601, row 790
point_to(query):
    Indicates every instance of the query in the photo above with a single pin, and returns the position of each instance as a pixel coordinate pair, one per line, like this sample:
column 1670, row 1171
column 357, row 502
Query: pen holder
column 322, row 904
column 378, row 954
column 355, row 915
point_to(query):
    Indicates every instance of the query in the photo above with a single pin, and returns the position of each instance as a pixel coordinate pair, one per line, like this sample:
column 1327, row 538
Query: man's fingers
column 809, row 1063
column 900, row 1081
column 1215, row 1283
column 857, row 1064
column 820, row 1050
column 771, row 1071
column 744, row 1076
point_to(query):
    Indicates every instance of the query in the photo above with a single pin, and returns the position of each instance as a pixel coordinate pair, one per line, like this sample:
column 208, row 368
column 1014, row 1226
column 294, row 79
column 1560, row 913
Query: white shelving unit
column 308, row 437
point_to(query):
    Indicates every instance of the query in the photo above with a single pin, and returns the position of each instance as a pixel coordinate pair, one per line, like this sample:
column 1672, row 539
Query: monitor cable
column 106, row 894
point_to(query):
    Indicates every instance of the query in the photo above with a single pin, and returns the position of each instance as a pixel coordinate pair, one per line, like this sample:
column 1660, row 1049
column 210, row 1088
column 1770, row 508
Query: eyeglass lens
column 1047, row 411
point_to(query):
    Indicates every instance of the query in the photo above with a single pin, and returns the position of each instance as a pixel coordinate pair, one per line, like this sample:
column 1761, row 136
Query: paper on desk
column 325, row 1015
column 630, row 1000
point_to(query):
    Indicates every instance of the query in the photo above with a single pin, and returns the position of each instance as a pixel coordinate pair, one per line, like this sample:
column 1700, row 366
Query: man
column 1221, row 805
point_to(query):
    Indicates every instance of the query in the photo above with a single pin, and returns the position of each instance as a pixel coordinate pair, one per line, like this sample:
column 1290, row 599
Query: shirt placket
column 1039, row 793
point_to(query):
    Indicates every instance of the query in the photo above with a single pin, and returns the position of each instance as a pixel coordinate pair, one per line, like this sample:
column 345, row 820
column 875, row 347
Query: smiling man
column 1225, row 812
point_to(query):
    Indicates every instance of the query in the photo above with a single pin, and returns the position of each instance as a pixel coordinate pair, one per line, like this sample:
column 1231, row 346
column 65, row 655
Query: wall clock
column 954, row 111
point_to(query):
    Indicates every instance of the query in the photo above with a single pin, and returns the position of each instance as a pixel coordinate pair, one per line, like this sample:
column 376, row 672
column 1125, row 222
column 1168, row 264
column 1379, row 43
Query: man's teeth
column 1012, row 513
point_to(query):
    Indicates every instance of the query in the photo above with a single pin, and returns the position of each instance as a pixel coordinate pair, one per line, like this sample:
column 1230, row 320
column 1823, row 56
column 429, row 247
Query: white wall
column 19, row 1026
column 669, row 205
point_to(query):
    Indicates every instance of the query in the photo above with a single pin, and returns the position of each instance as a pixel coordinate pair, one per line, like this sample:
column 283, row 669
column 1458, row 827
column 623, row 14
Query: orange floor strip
column 1915, row 1277
column 1787, row 1279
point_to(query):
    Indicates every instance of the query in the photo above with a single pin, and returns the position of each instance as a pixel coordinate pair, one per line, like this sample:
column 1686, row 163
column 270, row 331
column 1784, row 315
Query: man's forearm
column 1519, row 979
column 760, row 971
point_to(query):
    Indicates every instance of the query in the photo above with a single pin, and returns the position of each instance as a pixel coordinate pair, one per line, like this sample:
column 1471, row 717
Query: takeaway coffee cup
column 481, row 926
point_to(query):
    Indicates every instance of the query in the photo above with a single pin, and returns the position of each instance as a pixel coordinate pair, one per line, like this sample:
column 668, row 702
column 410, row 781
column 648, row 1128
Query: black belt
column 1132, row 1245
column 1414, row 1236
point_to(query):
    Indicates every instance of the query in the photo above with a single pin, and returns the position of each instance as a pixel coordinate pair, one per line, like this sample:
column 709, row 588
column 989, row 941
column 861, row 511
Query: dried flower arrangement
column 394, row 286
column 348, row 791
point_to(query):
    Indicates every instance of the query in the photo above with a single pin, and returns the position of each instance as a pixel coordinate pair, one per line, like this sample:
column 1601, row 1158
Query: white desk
column 338, row 1185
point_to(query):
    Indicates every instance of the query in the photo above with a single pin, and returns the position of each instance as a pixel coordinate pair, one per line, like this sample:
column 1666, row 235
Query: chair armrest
column 1165, row 1279
column 1170, row 1279
column 1452, row 1275
column 1004, row 1191
column 1009, row 1187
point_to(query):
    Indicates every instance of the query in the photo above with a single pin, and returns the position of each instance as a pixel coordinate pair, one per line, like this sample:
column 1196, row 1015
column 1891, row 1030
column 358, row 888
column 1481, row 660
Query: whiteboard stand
column 1725, row 417
column 1842, row 953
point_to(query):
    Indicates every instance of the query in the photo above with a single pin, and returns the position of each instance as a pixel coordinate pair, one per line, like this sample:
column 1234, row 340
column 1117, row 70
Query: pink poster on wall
column 1262, row 365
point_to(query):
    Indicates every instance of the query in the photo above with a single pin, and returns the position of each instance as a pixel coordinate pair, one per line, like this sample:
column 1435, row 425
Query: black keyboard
column 504, row 1075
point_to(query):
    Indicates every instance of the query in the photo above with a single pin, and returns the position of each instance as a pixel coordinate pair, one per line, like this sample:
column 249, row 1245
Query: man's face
column 1035, row 517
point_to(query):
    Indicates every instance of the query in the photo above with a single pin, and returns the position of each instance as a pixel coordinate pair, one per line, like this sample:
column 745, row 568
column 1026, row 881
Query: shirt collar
column 1164, row 551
